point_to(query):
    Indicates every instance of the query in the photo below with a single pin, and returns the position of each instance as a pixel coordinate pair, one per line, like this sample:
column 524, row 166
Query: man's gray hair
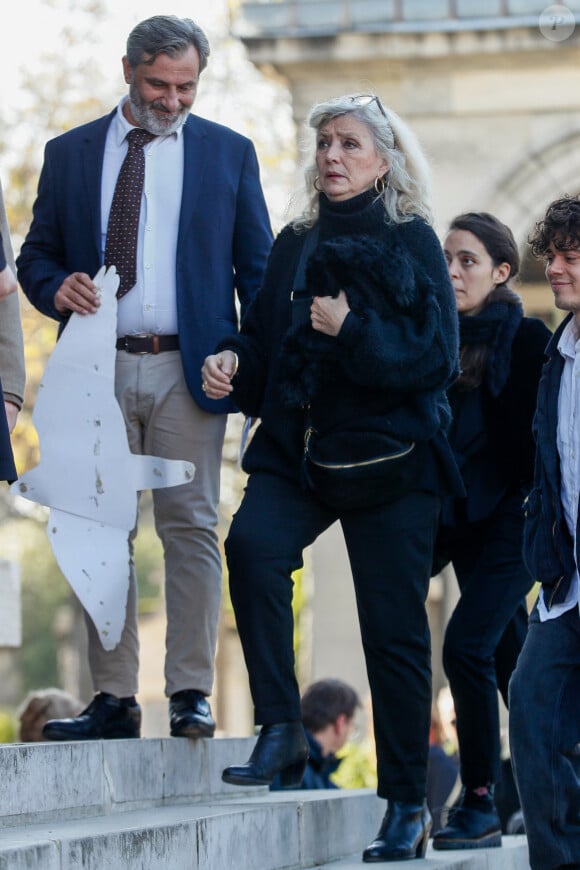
column 166, row 34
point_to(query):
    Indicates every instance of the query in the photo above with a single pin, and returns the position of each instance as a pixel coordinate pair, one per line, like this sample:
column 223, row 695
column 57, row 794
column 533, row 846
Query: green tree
column 44, row 591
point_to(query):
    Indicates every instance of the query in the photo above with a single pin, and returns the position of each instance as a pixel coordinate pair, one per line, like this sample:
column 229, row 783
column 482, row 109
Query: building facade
column 491, row 87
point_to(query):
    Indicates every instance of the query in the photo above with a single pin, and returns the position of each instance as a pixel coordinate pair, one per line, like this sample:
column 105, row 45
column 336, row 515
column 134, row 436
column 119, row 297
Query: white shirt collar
column 569, row 339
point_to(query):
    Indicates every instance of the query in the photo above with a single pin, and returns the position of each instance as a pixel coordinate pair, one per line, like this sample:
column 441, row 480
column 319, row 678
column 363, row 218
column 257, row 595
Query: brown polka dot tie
column 123, row 227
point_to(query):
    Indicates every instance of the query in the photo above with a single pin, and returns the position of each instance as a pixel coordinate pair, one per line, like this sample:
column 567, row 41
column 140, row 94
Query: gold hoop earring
column 379, row 184
column 316, row 182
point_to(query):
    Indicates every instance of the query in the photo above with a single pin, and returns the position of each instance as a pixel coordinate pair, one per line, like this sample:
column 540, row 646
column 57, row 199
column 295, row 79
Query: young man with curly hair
column 545, row 687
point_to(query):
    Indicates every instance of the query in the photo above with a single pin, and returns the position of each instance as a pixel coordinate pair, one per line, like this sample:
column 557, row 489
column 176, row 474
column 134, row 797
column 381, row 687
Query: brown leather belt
column 148, row 343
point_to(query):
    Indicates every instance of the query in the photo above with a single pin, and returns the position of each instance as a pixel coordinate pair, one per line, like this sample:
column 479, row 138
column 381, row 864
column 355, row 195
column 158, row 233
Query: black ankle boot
column 404, row 833
column 281, row 748
column 472, row 824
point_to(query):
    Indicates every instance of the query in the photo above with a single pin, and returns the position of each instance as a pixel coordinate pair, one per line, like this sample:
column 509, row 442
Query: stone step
column 160, row 804
column 47, row 781
column 513, row 855
column 265, row 832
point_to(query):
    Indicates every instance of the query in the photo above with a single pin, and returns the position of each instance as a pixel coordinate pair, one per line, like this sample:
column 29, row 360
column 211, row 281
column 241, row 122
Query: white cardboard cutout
column 87, row 474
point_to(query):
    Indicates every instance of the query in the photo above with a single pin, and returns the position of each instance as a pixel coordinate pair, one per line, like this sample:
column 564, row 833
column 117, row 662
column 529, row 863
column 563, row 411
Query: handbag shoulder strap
column 301, row 299
column 308, row 246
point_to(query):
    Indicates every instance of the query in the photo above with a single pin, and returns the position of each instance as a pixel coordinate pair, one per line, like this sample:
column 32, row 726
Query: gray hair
column 407, row 184
column 166, row 34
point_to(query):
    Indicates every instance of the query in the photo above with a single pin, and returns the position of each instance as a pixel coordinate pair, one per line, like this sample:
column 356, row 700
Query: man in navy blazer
column 203, row 237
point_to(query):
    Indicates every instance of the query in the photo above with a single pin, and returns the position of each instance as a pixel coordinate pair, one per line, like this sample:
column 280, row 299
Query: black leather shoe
column 472, row 824
column 280, row 748
column 190, row 715
column 404, row 834
column 106, row 718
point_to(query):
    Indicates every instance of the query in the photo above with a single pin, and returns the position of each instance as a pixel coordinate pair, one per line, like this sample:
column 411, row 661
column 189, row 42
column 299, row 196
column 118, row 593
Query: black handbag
column 351, row 469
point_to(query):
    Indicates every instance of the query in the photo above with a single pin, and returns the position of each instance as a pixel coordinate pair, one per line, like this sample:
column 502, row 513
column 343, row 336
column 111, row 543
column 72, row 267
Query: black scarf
column 495, row 327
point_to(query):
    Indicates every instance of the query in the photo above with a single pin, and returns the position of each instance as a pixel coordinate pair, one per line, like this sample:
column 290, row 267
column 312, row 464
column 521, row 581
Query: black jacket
column 491, row 434
column 548, row 545
column 318, row 770
column 393, row 360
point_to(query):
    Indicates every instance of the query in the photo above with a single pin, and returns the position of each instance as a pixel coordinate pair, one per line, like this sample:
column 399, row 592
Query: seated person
column 40, row 706
column 327, row 708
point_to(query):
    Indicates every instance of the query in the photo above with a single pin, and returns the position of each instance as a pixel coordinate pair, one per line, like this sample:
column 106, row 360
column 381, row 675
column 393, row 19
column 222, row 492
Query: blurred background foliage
column 47, row 600
column 358, row 768
column 61, row 87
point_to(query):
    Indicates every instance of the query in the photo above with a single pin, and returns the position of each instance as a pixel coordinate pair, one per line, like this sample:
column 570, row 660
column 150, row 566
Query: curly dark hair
column 560, row 227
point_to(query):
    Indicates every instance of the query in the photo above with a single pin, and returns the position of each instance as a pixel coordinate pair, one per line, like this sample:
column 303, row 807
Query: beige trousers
column 163, row 420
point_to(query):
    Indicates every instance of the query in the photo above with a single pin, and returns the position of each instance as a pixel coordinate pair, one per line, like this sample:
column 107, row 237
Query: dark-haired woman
column 493, row 403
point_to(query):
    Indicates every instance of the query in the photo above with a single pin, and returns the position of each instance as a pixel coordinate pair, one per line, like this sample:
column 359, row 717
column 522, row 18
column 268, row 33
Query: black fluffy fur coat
column 393, row 360
column 376, row 274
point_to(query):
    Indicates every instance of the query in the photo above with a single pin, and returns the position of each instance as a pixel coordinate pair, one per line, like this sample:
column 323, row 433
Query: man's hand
column 77, row 293
column 8, row 283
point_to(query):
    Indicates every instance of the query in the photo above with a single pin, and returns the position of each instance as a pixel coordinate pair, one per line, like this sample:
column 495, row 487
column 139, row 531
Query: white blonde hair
column 407, row 184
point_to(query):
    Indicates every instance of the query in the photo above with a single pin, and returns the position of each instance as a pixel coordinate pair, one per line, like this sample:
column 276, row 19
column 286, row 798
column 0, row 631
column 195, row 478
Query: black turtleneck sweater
column 394, row 370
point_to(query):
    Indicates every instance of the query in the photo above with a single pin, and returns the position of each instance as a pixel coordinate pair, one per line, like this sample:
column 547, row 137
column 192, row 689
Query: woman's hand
column 217, row 373
column 327, row 313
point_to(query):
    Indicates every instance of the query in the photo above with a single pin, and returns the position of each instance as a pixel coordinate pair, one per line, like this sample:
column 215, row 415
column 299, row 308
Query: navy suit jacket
column 223, row 242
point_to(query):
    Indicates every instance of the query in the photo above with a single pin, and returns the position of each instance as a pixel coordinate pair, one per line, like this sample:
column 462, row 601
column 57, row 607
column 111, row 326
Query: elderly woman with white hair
column 345, row 356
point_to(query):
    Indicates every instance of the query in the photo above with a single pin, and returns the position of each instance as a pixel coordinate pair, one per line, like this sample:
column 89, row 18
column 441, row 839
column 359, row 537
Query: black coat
column 7, row 468
column 548, row 546
column 497, row 459
column 394, row 357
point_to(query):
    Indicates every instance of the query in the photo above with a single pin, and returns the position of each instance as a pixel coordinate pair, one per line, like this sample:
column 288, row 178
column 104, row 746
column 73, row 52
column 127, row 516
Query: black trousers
column 390, row 553
column 545, row 739
column 485, row 633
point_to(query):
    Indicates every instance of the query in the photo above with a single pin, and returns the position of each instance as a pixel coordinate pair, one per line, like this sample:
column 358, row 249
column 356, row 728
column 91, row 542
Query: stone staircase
column 160, row 804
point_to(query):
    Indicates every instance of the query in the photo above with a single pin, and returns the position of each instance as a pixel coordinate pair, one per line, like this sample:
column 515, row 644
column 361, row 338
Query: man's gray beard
column 149, row 120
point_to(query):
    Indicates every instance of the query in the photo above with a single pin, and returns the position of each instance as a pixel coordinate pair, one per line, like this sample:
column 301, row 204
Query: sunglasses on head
column 366, row 99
